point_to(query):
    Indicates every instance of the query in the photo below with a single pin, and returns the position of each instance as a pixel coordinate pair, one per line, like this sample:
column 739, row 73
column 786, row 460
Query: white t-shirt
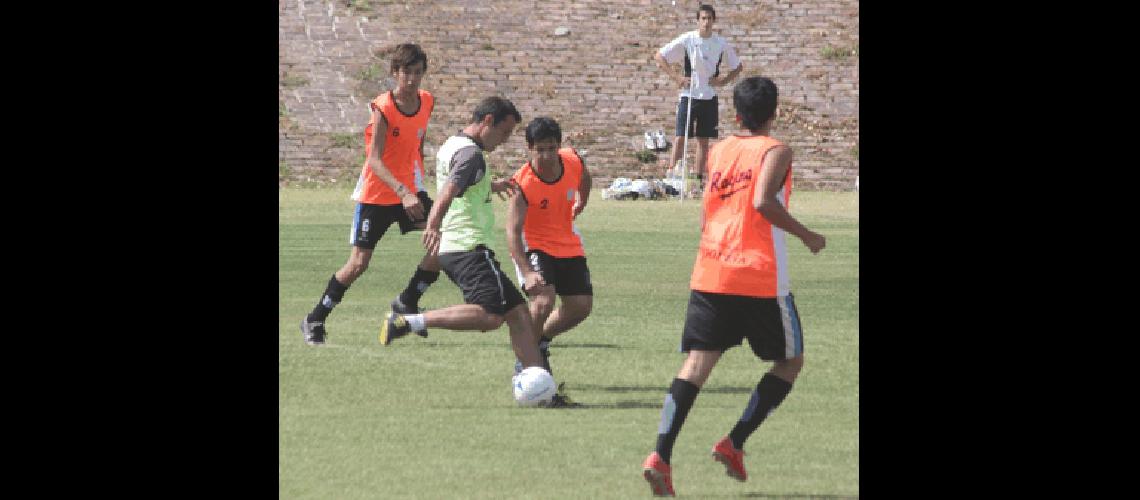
column 706, row 52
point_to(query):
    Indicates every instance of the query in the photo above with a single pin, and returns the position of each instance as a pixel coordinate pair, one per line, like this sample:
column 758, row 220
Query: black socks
column 419, row 283
column 333, row 293
column 769, row 393
column 678, row 402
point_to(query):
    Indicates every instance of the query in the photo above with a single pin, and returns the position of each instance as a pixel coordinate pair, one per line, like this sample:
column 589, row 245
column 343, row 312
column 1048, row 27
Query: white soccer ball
column 533, row 385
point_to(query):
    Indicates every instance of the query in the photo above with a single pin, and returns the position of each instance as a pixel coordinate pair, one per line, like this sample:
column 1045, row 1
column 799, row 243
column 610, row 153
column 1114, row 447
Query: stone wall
column 598, row 79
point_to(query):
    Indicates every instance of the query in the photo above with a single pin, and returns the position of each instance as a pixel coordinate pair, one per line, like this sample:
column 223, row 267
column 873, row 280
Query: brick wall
column 598, row 80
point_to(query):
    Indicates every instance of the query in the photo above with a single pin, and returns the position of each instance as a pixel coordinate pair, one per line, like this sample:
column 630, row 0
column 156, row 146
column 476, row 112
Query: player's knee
column 356, row 267
column 697, row 366
column 575, row 313
column 791, row 366
column 543, row 304
column 578, row 307
column 491, row 322
column 430, row 263
column 585, row 308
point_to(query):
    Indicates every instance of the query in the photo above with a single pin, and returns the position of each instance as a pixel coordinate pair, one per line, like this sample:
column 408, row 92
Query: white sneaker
column 659, row 137
column 649, row 144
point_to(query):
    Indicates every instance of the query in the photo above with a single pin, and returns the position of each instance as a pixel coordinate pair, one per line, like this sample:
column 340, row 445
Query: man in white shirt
column 703, row 53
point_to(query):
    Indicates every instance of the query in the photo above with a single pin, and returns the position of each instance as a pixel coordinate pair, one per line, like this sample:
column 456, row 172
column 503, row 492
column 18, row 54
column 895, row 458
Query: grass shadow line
column 659, row 389
column 798, row 495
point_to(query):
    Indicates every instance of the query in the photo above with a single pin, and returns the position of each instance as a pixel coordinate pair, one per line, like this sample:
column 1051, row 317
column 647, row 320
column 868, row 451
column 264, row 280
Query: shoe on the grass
column 561, row 401
column 650, row 144
column 394, row 327
column 403, row 310
column 314, row 331
column 732, row 458
column 658, row 474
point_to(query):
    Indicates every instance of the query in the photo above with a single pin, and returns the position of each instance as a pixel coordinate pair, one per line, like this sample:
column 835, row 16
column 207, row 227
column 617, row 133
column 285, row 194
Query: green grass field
column 434, row 418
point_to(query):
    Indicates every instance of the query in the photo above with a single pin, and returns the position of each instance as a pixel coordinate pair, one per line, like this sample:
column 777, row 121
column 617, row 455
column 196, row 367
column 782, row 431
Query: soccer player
column 393, row 145
column 458, row 229
column 554, row 187
column 740, row 281
column 710, row 51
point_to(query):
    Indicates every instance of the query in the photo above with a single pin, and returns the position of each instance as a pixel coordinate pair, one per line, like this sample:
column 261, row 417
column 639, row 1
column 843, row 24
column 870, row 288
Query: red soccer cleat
column 657, row 472
column 732, row 458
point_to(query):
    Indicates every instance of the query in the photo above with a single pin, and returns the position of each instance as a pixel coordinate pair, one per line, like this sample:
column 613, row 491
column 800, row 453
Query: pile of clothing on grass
column 624, row 188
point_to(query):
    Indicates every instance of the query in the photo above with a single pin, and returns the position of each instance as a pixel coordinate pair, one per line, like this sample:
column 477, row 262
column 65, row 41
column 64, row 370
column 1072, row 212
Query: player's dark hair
column 542, row 128
column 407, row 54
column 755, row 101
column 705, row 6
column 495, row 106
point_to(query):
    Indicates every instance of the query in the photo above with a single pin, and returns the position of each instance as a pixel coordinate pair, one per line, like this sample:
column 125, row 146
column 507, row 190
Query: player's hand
column 815, row 242
column 413, row 206
column 716, row 81
column 431, row 241
column 579, row 206
column 533, row 280
column 504, row 188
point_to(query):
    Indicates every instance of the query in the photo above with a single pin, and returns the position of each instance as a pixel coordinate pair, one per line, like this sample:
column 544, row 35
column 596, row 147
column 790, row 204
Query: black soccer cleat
column 314, row 331
column 394, row 327
column 400, row 308
column 403, row 310
column 561, row 400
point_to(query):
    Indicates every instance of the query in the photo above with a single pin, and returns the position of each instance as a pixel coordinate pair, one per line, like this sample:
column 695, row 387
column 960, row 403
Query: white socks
column 416, row 322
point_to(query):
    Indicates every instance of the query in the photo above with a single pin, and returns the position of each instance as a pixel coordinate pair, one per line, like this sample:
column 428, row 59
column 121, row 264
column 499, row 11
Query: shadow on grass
column 496, row 342
column 492, row 338
column 796, row 495
column 562, row 345
column 490, row 344
column 658, row 389
column 759, row 494
column 620, row 405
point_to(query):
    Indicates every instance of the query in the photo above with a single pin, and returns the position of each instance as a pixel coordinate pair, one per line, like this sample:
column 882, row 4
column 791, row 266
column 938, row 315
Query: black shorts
column 569, row 275
column 479, row 277
column 703, row 122
column 717, row 322
column 370, row 222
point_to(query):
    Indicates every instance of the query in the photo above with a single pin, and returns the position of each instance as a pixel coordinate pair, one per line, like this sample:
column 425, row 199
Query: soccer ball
column 533, row 385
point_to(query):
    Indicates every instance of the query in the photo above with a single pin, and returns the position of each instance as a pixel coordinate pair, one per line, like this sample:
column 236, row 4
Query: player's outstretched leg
column 398, row 325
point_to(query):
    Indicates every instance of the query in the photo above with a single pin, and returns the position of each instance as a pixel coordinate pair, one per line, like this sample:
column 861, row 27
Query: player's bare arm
column 516, row 217
column 505, row 188
column 583, row 190
column 776, row 167
column 681, row 80
column 431, row 235
column 720, row 81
